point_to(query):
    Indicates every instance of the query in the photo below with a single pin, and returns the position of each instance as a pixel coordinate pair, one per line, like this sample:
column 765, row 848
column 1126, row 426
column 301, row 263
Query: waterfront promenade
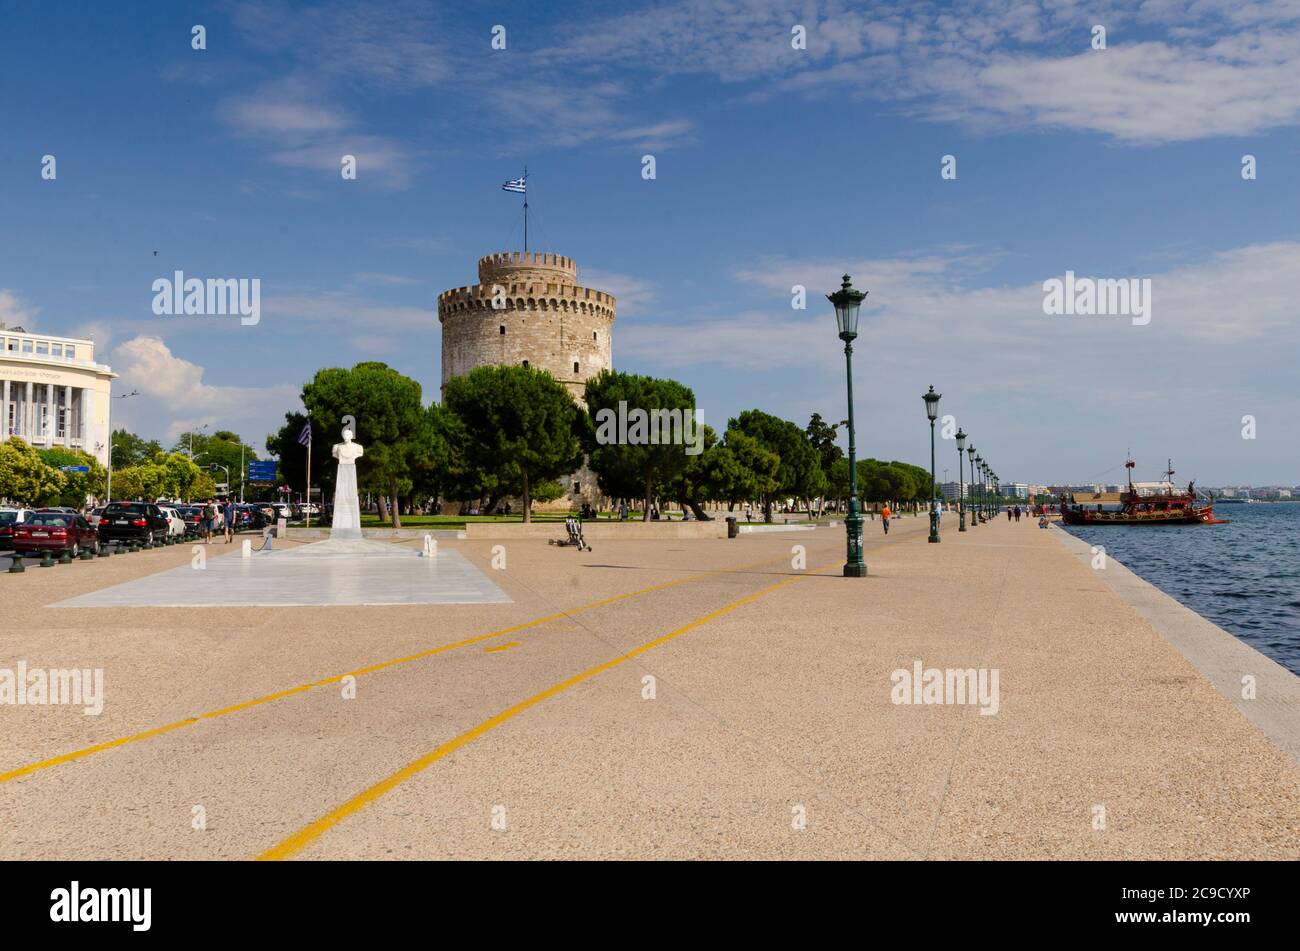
column 527, row 729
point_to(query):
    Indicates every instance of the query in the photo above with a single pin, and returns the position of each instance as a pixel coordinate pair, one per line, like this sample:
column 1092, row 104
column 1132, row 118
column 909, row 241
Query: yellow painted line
column 382, row 665
column 309, row 834
column 500, row 647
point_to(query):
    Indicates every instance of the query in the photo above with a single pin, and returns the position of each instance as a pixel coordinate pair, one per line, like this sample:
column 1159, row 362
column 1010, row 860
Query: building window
column 577, row 488
column 503, row 330
column 57, row 350
column 525, row 364
column 27, row 346
column 70, row 352
column 575, row 367
column 42, row 348
column 593, row 335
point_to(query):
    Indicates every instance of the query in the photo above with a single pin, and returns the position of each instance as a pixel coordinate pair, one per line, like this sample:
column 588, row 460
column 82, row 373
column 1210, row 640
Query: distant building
column 1015, row 490
column 954, row 490
column 53, row 393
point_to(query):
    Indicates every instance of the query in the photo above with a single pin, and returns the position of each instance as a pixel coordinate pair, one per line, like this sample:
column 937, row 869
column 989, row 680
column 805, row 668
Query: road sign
column 261, row 470
column 75, row 468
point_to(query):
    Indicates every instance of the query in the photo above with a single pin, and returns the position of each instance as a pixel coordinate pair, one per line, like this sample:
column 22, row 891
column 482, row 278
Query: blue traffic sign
column 75, row 468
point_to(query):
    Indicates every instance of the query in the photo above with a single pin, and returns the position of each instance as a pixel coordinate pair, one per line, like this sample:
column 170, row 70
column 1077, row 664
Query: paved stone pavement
column 706, row 698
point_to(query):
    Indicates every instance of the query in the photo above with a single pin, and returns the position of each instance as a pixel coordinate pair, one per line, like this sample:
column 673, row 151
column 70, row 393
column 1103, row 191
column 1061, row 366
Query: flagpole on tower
column 525, row 209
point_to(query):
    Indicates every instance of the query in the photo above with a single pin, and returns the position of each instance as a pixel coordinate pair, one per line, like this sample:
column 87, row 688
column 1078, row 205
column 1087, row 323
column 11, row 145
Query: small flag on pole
column 519, row 185
column 304, row 437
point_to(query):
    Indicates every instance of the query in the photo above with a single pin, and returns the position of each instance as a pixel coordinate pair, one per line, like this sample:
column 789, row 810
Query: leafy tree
column 77, row 486
column 389, row 423
column 168, row 475
column 223, row 452
column 24, row 476
column 799, row 473
column 131, row 450
column 699, row 480
column 637, row 466
column 515, row 416
column 741, row 469
column 822, row 437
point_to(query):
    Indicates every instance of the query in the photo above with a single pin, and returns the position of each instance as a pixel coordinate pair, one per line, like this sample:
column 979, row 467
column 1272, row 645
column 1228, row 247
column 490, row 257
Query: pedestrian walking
column 884, row 518
column 230, row 521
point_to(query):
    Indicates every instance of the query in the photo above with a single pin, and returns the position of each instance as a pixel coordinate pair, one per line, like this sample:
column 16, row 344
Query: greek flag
column 304, row 437
column 518, row 185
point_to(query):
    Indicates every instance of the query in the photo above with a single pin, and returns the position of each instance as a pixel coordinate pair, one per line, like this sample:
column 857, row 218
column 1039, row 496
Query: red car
column 54, row 532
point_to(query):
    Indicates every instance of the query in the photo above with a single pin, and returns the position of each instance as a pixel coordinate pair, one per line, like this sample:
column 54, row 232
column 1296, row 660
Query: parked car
column 175, row 522
column 54, row 532
column 133, row 521
column 93, row 517
column 192, row 515
column 8, row 519
column 250, row 518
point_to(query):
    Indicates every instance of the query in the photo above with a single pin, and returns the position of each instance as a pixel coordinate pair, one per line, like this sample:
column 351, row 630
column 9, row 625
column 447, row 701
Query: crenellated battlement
column 527, row 266
column 529, row 295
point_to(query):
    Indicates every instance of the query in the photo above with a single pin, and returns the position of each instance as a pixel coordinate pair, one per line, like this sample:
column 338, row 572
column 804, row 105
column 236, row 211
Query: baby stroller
column 574, row 528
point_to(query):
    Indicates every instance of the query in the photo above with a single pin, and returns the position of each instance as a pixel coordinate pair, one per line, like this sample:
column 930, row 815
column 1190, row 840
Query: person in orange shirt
column 884, row 518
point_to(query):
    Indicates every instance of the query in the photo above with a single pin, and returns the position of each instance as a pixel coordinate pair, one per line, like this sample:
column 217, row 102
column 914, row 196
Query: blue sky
column 775, row 167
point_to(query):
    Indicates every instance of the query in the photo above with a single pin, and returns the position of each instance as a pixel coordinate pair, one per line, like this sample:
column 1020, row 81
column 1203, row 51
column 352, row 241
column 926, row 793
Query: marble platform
column 309, row 575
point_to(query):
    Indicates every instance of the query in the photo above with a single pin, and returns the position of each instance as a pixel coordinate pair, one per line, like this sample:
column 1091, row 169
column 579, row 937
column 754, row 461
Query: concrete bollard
column 430, row 547
column 17, row 565
column 246, row 549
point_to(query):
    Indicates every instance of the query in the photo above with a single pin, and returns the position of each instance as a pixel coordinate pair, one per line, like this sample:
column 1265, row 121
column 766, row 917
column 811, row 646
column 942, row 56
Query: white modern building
column 950, row 490
column 54, row 393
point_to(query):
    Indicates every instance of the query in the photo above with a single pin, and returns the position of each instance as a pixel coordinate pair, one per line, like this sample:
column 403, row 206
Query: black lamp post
column 846, row 302
column 979, row 504
column 932, row 411
column 961, row 508
column 970, row 458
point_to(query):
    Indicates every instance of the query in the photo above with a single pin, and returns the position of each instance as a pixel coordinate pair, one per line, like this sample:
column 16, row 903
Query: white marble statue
column 347, row 505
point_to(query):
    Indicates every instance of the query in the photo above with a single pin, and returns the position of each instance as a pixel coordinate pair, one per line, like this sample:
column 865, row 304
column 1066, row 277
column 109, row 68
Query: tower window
column 503, row 330
column 525, row 364
column 593, row 335
column 575, row 366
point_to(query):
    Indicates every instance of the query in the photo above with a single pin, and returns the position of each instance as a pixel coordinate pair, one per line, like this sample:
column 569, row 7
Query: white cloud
column 346, row 311
column 1171, row 72
column 302, row 132
column 174, row 397
column 632, row 295
column 14, row 312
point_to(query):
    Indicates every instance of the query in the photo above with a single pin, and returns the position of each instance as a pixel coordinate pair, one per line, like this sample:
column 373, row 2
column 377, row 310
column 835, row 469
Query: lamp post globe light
column 846, row 302
column 970, row 459
column 932, row 411
column 979, row 505
column 961, row 489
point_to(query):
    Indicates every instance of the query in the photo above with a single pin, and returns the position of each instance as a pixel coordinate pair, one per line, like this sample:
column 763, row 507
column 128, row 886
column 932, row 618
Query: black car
column 132, row 521
column 250, row 518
